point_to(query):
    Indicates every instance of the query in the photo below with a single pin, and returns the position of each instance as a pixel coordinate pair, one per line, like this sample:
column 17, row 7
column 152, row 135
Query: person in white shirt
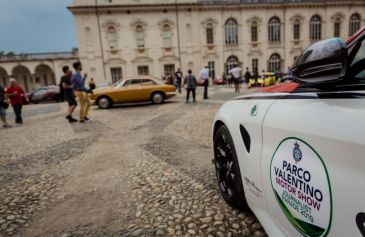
column 204, row 75
column 236, row 73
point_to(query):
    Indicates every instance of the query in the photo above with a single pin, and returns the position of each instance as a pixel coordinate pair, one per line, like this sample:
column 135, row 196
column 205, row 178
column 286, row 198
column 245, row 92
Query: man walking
column 78, row 83
column 236, row 74
column 204, row 75
column 16, row 95
column 247, row 76
column 68, row 93
column 3, row 107
column 179, row 76
column 190, row 81
column 92, row 85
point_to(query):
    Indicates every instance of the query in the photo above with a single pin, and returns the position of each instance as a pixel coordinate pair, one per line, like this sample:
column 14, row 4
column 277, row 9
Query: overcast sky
column 33, row 26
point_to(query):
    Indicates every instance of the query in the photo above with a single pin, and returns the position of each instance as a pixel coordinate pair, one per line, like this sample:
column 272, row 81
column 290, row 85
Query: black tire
column 157, row 97
column 227, row 169
column 104, row 102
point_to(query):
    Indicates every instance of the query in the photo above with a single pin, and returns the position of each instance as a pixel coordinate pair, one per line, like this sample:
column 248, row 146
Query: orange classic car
column 133, row 89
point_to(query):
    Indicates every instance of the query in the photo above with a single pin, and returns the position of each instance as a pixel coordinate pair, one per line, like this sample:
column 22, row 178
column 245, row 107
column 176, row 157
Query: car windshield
column 118, row 84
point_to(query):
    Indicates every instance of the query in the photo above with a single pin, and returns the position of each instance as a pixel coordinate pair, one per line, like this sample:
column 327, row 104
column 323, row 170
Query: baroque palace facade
column 120, row 38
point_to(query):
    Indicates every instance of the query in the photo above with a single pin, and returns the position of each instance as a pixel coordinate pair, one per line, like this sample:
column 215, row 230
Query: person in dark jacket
column 190, row 81
column 179, row 76
column 3, row 107
column 247, row 75
column 92, row 85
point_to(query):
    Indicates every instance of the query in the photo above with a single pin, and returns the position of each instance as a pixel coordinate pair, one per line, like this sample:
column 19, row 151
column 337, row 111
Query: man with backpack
column 3, row 107
column 190, row 81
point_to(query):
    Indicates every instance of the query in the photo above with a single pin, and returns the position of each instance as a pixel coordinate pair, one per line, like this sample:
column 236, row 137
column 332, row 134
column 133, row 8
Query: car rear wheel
column 227, row 169
column 104, row 102
column 157, row 98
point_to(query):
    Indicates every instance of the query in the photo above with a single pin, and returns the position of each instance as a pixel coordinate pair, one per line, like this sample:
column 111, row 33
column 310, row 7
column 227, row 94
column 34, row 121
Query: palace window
column 315, row 28
column 254, row 32
column 116, row 74
column 255, row 65
column 354, row 24
column 112, row 38
column 274, row 63
column 167, row 35
column 140, row 36
column 211, row 66
column 274, row 30
column 169, row 69
column 210, row 32
column 296, row 32
column 143, row 70
column 337, row 28
column 231, row 31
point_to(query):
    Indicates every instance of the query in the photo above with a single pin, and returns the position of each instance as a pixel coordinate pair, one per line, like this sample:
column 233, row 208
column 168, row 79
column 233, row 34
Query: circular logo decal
column 297, row 153
column 302, row 188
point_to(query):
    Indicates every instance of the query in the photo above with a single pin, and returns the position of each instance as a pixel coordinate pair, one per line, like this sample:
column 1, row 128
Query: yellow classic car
column 133, row 89
column 265, row 79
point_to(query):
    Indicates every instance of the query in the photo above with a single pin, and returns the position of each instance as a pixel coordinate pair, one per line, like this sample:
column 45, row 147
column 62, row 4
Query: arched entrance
column 23, row 76
column 44, row 76
column 3, row 77
column 232, row 62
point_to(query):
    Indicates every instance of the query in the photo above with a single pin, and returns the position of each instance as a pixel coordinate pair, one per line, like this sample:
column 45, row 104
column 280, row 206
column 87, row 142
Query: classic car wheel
column 227, row 169
column 104, row 102
column 157, row 98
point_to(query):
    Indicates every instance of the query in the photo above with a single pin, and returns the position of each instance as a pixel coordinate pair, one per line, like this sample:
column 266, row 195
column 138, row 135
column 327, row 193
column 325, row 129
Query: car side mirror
column 322, row 63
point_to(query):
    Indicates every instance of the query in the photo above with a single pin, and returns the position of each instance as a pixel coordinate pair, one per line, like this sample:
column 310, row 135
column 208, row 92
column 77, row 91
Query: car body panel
column 249, row 162
column 311, row 166
column 340, row 145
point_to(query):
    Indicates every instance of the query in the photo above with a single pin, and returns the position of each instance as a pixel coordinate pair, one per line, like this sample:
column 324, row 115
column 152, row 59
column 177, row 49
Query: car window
column 358, row 63
column 132, row 82
column 147, row 82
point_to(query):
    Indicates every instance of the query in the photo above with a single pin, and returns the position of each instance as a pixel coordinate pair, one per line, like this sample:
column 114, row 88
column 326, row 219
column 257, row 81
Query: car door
column 148, row 86
column 313, row 159
column 129, row 92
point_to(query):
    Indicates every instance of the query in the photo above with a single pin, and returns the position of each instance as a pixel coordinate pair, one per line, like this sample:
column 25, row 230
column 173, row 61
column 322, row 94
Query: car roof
column 141, row 77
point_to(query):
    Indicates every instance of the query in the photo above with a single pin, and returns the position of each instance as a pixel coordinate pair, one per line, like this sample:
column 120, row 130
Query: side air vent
column 246, row 138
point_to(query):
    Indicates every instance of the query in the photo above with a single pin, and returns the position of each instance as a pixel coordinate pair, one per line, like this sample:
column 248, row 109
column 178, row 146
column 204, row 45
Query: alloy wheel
column 224, row 165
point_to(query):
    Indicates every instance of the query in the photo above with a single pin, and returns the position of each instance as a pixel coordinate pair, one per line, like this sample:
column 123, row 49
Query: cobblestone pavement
column 136, row 170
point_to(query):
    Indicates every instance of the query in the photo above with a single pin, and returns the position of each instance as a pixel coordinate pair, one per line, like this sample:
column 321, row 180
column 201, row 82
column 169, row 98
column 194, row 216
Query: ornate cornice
column 338, row 15
column 209, row 20
column 168, row 58
column 165, row 21
column 297, row 17
column 254, row 19
column 138, row 22
column 142, row 59
column 110, row 23
column 164, row 8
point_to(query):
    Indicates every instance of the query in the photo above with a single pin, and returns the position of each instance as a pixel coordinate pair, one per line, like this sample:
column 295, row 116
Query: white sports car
column 295, row 153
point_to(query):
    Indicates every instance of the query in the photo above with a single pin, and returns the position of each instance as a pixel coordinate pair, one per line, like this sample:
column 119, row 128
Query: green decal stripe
column 303, row 227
